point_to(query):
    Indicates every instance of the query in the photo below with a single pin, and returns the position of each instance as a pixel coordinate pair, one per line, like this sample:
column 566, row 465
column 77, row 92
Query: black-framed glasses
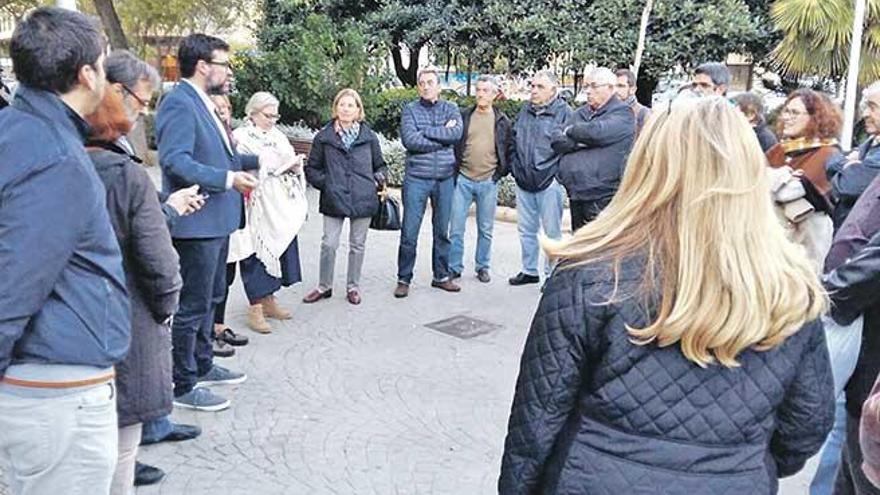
column 137, row 98
column 270, row 116
column 221, row 64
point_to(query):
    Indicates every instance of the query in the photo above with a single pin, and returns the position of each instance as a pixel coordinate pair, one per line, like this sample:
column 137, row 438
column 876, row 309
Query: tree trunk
column 407, row 75
column 110, row 20
column 645, row 89
column 643, row 33
column 470, row 69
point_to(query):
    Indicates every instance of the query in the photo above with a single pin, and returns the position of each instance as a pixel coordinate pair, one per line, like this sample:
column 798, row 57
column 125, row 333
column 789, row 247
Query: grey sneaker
column 202, row 399
column 221, row 376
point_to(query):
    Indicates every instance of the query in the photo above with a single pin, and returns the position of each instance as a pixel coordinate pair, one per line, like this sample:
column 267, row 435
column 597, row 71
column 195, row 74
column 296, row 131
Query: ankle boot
column 256, row 320
column 272, row 310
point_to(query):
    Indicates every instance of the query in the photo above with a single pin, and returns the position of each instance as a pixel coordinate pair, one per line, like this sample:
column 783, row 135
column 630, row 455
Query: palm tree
column 816, row 38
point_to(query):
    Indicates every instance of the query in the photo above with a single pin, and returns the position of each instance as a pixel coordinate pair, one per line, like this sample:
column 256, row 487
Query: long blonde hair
column 695, row 199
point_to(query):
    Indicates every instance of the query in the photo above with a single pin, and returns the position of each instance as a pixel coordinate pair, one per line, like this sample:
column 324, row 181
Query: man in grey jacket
column 429, row 129
column 539, row 197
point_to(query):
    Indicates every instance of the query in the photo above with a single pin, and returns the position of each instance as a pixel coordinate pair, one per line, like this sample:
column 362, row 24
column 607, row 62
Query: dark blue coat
column 192, row 151
column 533, row 161
column 594, row 149
column 595, row 414
column 62, row 290
column 849, row 182
column 348, row 178
column 430, row 145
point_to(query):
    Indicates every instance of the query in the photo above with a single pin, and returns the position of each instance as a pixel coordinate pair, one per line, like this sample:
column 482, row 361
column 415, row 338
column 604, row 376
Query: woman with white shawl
column 267, row 247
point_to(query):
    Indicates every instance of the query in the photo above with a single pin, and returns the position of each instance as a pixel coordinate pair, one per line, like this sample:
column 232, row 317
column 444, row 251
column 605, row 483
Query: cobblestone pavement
column 365, row 400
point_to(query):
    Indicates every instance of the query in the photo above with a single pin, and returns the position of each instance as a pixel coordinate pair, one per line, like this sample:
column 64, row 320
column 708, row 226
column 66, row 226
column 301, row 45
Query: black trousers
column 584, row 211
column 850, row 478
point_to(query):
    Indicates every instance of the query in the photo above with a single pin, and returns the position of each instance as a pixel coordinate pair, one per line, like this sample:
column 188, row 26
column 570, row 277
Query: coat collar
column 50, row 107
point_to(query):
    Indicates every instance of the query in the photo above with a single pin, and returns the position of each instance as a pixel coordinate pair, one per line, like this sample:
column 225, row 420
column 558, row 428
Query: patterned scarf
column 801, row 144
column 348, row 135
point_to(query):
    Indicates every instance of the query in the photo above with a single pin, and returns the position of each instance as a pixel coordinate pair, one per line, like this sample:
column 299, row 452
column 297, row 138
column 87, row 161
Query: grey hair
column 717, row 72
column 549, row 75
column 124, row 68
column 485, row 78
column 428, row 70
column 603, row 75
column 259, row 101
column 870, row 91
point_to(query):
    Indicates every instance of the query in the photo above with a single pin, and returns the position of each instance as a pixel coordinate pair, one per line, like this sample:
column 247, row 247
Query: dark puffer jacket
column 347, row 179
column 152, row 270
column 594, row 147
column 596, row 414
column 533, row 162
column 429, row 143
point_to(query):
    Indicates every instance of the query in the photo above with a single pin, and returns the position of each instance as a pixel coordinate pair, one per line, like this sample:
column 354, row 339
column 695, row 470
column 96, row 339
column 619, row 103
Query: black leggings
column 220, row 310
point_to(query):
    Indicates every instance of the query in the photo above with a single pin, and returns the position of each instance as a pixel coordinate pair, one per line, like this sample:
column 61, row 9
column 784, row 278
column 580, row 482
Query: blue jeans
column 537, row 211
column 485, row 194
column 156, row 430
column 844, row 344
column 416, row 193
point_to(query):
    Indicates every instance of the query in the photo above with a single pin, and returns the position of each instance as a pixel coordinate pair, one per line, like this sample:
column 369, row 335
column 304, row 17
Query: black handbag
column 388, row 216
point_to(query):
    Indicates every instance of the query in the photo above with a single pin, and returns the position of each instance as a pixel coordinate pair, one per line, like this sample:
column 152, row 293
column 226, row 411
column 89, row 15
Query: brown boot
column 272, row 310
column 256, row 320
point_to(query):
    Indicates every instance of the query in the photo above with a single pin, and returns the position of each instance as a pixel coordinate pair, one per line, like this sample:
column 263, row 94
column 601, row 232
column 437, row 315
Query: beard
column 218, row 88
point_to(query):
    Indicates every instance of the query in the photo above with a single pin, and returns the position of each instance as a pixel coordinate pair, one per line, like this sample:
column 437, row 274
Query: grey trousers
column 123, row 478
column 61, row 444
column 357, row 238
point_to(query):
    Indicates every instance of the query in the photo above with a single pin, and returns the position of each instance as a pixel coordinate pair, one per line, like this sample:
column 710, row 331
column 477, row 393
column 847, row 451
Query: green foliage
column 816, row 38
column 384, row 109
column 311, row 62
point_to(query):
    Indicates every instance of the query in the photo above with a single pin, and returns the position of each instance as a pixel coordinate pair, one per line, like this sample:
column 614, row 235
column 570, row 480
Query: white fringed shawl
column 276, row 209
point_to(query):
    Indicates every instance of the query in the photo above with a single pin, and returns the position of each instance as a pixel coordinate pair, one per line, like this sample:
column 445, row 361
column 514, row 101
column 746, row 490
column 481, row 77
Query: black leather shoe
column 454, row 275
column 483, row 276
column 181, row 432
column 144, row 474
column 232, row 338
column 523, row 279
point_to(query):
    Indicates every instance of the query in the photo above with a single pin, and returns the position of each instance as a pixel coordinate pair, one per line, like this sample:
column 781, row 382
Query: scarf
column 276, row 209
column 802, row 144
column 348, row 135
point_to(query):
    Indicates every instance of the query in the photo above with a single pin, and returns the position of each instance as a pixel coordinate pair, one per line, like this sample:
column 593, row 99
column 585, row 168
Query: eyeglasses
column 270, row 116
column 595, row 86
column 703, row 85
column 788, row 112
column 137, row 98
column 221, row 64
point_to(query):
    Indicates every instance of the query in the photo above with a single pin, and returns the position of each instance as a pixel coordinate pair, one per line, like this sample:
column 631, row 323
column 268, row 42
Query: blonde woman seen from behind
column 677, row 344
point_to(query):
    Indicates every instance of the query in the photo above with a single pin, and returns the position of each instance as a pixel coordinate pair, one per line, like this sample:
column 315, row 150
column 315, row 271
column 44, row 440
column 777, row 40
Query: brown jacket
column 812, row 161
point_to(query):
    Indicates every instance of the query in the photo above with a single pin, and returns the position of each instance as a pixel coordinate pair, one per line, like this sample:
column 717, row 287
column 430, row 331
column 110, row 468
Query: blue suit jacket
column 192, row 151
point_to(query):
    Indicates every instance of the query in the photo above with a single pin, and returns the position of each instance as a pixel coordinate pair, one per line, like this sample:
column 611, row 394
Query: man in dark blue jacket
column 594, row 145
column 534, row 163
column 64, row 310
column 194, row 148
column 429, row 128
column 850, row 175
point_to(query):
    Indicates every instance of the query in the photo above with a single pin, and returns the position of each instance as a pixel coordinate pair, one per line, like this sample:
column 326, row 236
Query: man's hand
column 451, row 123
column 244, row 182
column 186, row 201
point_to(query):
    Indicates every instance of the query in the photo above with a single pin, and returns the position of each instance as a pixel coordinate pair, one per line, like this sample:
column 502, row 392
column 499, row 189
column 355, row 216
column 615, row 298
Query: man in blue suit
column 195, row 148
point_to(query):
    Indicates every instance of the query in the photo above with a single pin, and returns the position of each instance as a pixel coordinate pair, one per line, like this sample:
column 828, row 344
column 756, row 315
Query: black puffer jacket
column 152, row 271
column 596, row 414
column 347, row 179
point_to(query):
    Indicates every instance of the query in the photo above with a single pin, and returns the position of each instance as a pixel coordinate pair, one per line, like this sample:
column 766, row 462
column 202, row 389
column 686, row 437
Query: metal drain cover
column 463, row 327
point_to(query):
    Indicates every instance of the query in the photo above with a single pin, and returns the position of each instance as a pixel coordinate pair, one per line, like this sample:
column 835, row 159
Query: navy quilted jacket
column 430, row 145
column 596, row 414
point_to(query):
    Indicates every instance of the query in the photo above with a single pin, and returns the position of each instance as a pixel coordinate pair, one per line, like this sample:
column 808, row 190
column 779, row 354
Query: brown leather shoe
column 272, row 310
column 402, row 290
column 448, row 286
column 316, row 295
column 353, row 296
